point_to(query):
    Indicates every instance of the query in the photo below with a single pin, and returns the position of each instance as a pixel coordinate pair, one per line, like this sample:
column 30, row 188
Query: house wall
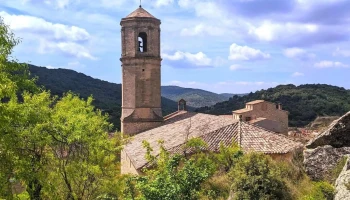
column 282, row 156
column 266, row 110
column 269, row 125
column 126, row 165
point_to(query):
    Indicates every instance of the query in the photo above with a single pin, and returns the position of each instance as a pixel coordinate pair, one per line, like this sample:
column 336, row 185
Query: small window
column 247, row 119
column 143, row 70
column 142, row 40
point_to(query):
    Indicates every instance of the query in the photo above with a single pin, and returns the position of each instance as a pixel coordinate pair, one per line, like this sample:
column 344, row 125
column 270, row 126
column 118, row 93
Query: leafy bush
column 173, row 177
column 321, row 191
column 256, row 176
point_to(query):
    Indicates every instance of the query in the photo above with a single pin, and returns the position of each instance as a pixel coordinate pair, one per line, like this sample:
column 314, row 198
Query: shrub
column 256, row 176
column 321, row 191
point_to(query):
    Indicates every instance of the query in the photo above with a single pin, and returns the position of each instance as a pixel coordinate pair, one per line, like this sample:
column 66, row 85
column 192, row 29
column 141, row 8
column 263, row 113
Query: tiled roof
column 173, row 132
column 241, row 111
column 213, row 130
column 140, row 12
column 255, row 138
column 250, row 137
column 255, row 102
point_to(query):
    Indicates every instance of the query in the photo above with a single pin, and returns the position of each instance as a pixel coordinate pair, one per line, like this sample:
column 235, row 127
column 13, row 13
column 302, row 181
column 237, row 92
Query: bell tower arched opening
column 142, row 39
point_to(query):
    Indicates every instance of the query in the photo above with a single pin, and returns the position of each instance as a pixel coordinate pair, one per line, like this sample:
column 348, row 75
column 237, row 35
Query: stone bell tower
column 141, row 61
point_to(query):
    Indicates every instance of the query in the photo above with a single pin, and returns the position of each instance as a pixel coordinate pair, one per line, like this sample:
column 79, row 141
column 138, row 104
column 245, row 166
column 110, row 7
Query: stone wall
column 282, row 156
column 269, row 125
column 132, row 128
column 266, row 110
column 126, row 165
column 141, row 76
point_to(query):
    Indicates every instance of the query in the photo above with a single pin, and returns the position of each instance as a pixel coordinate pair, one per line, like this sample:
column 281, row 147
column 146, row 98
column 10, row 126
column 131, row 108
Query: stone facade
column 141, row 72
column 127, row 167
column 264, row 109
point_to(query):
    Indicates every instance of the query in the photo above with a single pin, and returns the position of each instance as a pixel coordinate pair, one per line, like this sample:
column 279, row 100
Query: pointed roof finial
column 140, row 4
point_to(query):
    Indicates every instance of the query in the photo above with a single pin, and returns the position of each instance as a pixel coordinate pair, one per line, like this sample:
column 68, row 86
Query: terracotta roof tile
column 173, row 132
column 213, row 130
column 140, row 12
column 255, row 138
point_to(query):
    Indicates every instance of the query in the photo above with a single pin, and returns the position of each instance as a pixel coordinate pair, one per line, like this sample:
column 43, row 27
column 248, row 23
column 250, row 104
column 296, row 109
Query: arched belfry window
column 142, row 39
column 181, row 105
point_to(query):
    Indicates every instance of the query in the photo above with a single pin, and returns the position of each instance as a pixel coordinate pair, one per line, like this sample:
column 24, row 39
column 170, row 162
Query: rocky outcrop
column 320, row 160
column 337, row 135
column 326, row 149
column 342, row 191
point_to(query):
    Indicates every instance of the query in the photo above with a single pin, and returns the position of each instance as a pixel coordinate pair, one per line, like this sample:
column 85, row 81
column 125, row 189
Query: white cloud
column 205, row 9
column 61, row 4
column 294, row 52
column 186, row 3
column 30, row 24
column 330, row 64
column 269, row 31
column 238, row 67
column 341, row 52
column 246, row 53
column 201, row 29
column 51, row 37
column 69, row 48
column 298, row 53
column 198, row 59
column 160, row 3
column 296, row 74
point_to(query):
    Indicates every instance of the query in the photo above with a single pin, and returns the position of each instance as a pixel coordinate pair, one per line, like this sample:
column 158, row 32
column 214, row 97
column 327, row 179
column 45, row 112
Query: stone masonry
column 141, row 76
column 265, row 114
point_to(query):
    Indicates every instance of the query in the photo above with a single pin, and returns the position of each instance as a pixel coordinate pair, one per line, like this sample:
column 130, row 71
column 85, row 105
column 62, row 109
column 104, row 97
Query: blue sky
column 232, row 46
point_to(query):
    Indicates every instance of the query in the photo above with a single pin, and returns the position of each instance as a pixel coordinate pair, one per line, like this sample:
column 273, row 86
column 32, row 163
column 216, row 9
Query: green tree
column 83, row 155
column 14, row 78
column 256, row 177
column 173, row 176
column 53, row 148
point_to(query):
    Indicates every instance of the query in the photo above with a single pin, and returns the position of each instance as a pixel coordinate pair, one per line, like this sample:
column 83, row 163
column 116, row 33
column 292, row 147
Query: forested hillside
column 107, row 96
column 194, row 97
column 304, row 102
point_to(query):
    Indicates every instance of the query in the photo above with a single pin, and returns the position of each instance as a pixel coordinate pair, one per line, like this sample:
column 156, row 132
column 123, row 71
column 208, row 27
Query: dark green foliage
column 194, row 97
column 304, row 102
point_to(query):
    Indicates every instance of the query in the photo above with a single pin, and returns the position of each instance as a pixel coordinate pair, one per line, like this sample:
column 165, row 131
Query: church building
column 142, row 113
